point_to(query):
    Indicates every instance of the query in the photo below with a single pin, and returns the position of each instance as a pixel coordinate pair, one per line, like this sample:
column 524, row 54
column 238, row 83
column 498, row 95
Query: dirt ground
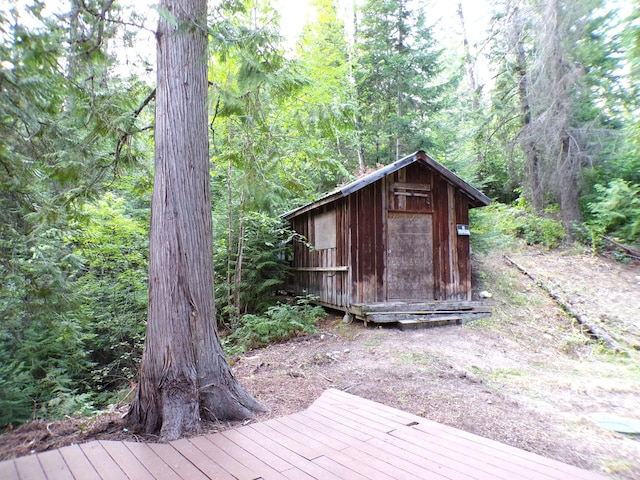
column 526, row 376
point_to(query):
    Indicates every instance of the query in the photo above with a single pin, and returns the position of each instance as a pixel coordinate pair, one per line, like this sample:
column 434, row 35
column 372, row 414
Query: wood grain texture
column 340, row 436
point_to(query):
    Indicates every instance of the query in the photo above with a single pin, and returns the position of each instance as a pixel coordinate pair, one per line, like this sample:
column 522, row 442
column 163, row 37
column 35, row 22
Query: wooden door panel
column 409, row 256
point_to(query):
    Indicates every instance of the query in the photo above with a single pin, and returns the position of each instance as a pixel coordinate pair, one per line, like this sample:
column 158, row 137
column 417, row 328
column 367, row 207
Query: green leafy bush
column 113, row 244
column 498, row 225
column 615, row 212
column 44, row 338
column 260, row 268
column 279, row 323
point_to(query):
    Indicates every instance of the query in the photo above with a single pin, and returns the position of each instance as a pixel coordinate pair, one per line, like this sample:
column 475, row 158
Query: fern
column 279, row 323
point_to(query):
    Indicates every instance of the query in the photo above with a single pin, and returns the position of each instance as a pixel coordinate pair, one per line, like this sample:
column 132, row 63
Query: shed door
column 409, row 256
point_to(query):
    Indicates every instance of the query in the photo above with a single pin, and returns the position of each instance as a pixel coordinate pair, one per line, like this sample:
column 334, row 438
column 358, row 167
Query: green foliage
column 262, row 271
column 65, row 131
column 16, row 393
column 498, row 225
column 44, row 339
column 320, row 121
column 114, row 247
column 279, row 323
column 397, row 80
column 615, row 212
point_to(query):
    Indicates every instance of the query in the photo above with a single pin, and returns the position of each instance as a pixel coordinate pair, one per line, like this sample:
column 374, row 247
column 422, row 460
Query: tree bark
column 528, row 136
column 183, row 376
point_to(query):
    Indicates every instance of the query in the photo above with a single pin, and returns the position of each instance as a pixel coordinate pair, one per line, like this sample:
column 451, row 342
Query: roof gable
column 476, row 198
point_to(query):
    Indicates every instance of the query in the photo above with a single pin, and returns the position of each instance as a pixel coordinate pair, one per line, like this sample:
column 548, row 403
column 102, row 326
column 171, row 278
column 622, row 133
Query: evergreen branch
column 101, row 18
column 124, row 135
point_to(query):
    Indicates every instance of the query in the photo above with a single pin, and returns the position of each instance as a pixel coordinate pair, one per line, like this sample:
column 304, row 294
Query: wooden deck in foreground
column 340, row 436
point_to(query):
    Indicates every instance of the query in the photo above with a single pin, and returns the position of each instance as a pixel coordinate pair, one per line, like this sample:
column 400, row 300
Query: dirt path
column 525, row 376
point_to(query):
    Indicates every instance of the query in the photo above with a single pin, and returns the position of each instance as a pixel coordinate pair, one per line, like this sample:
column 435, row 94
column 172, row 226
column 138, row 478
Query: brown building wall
column 352, row 268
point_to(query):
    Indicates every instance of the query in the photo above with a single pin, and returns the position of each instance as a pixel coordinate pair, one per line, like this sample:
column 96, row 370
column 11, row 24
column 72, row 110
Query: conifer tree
column 397, row 64
column 184, row 375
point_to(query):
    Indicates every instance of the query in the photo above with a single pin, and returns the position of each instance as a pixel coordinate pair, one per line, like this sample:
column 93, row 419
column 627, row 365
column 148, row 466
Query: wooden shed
column 390, row 246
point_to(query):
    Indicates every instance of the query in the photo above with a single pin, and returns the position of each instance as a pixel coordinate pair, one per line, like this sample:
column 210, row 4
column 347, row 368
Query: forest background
column 541, row 114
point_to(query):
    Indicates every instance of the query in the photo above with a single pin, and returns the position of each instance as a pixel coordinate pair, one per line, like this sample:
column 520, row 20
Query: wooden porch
column 409, row 315
column 340, row 436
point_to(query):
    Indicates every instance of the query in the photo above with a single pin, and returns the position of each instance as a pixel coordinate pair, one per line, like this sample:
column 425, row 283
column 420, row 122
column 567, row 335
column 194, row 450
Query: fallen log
column 630, row 252
column 595, row 331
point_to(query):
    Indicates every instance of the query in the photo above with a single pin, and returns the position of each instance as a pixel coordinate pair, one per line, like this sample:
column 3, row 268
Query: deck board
column 29, row 467
column 287, row 455
column 244, row 457
column 186, row 469
column 8, row 470
column 54, row 466
column 155, row 464
column 340, row 436
column 102, row 462
column 126, row 460
column 78, row 464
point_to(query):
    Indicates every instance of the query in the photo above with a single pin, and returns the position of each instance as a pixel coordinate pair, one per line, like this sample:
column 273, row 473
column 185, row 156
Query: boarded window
column 325, row 231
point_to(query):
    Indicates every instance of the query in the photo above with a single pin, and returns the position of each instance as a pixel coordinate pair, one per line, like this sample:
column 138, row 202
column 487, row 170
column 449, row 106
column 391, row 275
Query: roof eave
column 477, row 198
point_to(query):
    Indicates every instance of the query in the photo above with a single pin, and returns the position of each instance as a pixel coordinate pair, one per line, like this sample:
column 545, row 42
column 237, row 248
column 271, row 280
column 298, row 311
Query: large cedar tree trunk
column 183, row 376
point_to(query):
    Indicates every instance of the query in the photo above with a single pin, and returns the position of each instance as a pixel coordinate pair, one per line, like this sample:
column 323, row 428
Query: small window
column 325, row 231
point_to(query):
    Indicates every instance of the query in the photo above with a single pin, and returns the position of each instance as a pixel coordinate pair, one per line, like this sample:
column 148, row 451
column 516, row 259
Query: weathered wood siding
column 367, row 244
column 463, row 249
column 358, row 267
column 323, row 272
column 452, row 270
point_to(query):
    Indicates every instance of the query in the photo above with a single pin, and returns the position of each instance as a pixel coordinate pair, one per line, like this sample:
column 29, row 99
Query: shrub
column 498, row 225
column 615, row 212
column 279, row 323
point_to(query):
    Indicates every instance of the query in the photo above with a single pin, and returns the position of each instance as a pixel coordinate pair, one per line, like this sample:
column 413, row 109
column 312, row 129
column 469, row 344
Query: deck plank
column 78, row 464
column 324, row 447
column 263, row 437
column 29, row 467
column 338, row 398
column 54, row 466
column 435, row 470
column 274, row 461
column 477, row 453
column 339, row 470
column 270, row 429
column 528, row 464
column 416, row 452
column 8, row 470
column 376, row 461
column 244, row 457
column 488, row 453
column 339, row 437
column 237, row 469
column 155, row 464
column 126, row 460
column 200, row 460
column 106, row 467
column 178, row 462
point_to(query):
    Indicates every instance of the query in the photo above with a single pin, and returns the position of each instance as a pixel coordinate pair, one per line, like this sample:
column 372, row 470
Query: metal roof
column 476, row 198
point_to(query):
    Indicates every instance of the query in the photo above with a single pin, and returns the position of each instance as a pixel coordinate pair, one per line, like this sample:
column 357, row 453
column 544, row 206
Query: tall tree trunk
column 569, row 164
column 357, row 118
column 469, row 63
column 527, row 135
column 237, row 276
column 230, row 240
column 184, row 375
column 564, row 76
